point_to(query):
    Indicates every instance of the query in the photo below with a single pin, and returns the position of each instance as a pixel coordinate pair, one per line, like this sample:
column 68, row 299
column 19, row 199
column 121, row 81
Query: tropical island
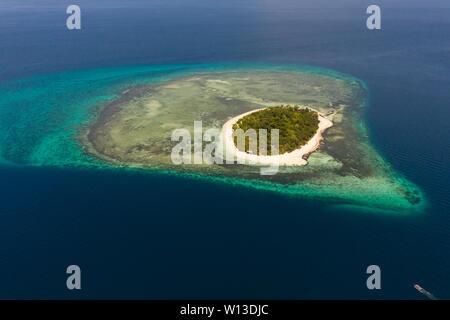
column 299, row 134
column 127, row 117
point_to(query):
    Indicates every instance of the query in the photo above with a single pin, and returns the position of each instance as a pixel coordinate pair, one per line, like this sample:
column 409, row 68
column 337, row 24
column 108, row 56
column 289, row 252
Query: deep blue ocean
column 163, row 237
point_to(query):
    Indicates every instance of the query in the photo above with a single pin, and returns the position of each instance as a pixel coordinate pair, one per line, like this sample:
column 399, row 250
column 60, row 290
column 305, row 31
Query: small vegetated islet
column 296, row 126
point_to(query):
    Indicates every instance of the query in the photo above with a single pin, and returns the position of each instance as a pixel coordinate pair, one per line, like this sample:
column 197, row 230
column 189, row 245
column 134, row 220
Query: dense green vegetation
column 296, row 126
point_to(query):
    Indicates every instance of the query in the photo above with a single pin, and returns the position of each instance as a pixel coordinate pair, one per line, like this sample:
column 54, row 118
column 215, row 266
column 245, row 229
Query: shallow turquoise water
column 42, row 116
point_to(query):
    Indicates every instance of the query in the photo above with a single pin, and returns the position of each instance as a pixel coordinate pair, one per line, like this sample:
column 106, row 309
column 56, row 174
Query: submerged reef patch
column 124, row 117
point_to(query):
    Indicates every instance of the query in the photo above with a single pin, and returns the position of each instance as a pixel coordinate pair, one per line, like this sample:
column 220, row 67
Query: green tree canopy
column 296, row 126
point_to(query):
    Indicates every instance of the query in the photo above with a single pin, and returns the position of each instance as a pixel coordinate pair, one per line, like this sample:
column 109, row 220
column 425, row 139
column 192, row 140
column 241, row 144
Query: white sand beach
column 293, row 158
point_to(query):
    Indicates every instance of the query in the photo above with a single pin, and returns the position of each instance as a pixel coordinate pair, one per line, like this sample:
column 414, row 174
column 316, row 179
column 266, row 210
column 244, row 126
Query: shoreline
column 293, row 158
